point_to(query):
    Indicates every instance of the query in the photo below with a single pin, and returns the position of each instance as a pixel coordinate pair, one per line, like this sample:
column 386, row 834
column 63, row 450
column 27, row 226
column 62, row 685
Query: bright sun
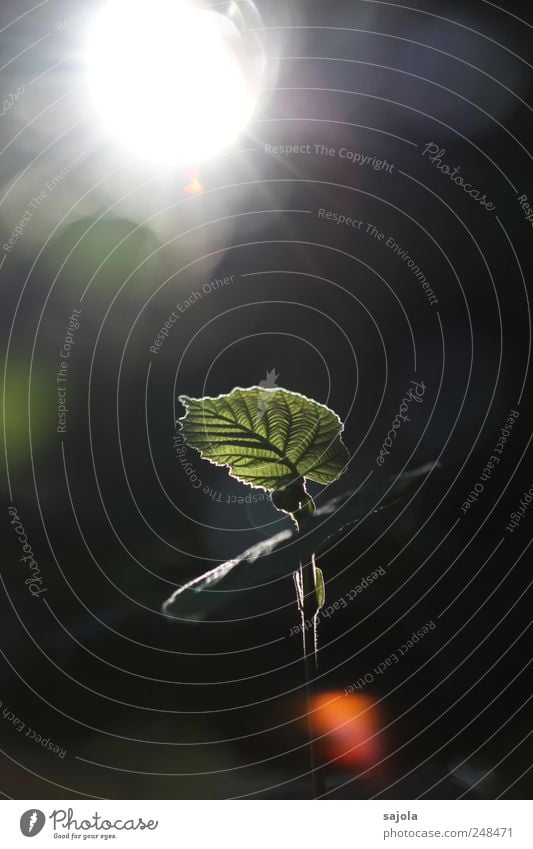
column 167, row 78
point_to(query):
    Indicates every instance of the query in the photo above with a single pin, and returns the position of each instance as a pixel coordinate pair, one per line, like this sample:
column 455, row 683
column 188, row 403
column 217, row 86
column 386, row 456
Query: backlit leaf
column 266, row 437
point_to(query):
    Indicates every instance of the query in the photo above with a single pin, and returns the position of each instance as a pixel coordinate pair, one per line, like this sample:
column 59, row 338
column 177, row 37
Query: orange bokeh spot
column 351, row 725
column 195, row 187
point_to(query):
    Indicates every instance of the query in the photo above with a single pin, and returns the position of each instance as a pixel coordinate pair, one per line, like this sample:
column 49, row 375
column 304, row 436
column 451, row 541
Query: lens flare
column 169, row 79
column 349, row 727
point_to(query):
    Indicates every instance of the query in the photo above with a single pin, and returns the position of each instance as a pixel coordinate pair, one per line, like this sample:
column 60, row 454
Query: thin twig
column 310, row 656
column 306, row 596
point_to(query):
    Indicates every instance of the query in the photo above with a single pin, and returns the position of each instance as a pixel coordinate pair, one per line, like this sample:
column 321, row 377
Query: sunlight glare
column 167, row 79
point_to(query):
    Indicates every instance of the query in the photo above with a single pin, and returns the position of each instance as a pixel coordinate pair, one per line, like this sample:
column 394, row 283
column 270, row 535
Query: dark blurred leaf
column 109, row 249
column 280, row 555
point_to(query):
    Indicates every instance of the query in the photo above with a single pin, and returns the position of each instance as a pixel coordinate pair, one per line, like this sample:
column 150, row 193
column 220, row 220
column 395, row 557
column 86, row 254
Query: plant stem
column 306, row 596
column 310, row 654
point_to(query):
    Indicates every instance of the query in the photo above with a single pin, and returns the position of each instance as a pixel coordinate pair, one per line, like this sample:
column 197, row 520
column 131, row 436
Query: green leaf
column 266, row 437
column 320, row 588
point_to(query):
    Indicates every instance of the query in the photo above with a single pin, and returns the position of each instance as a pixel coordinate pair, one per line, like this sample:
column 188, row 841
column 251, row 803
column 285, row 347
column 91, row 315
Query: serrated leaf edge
column 184, row 399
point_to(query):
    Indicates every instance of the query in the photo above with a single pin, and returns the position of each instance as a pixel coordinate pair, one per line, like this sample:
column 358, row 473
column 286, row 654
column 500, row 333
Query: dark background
column 148, row 708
